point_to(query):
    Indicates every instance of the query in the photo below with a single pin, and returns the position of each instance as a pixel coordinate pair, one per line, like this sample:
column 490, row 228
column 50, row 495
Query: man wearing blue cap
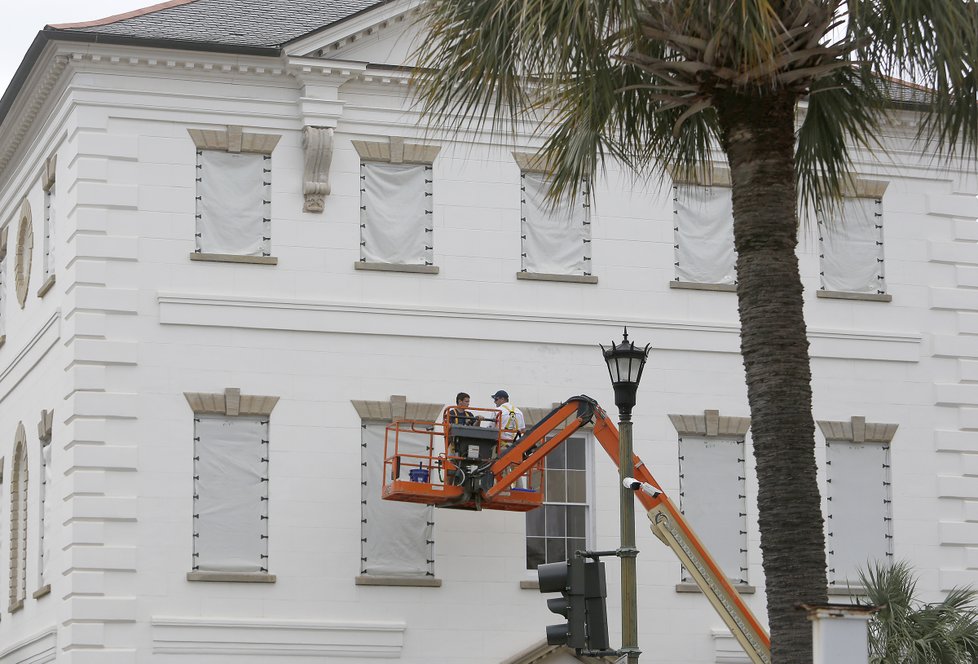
column 511, row 421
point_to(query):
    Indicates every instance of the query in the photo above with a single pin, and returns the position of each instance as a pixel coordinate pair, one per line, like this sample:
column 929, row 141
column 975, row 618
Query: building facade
column 231, row 255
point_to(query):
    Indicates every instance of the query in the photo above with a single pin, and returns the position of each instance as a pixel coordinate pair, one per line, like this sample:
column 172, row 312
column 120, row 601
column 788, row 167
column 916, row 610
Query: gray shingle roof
column 242, row 23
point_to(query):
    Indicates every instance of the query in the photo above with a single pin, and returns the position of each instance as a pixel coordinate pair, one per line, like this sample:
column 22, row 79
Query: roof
column 242, row 23
column 224, row 26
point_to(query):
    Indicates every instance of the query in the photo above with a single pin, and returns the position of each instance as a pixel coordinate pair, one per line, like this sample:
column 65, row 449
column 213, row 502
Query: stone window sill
column 741, row 588
column 843, row 295
column 231, row 577
column 695, row 285
column 411, row 581
column 234, row 258
column 17, row 606
column 395, row 267
column 42, row 591
column 566, row 278
column 46, row 286
column 529, row 584
column 847, row 591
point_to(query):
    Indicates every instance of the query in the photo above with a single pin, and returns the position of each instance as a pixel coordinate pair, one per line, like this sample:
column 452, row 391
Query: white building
column 196, row 202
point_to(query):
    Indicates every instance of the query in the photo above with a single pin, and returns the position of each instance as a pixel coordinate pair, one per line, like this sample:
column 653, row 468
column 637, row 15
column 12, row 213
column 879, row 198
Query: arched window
column 18, row 521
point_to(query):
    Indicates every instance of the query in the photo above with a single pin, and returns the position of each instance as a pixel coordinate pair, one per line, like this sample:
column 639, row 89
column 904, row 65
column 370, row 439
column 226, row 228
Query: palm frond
column 909, row 631
column 932, row 42
column 845, row 110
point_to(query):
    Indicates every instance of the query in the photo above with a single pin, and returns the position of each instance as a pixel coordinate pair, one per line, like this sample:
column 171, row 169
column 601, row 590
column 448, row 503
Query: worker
column 458, row 413
column 511, row 421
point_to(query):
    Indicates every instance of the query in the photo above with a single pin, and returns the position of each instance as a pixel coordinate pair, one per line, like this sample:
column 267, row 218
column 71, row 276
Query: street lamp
column 625, row 363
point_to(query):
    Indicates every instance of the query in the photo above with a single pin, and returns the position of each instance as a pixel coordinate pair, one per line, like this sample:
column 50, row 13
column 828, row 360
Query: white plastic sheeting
column 556, row 240
column 230, row 494
column 852, row 248
column 49, row 221
column 395, row 214
column 397, row 538
column 43, row 573
column 704, row 235
column 3, row 296
column 233, row 203
column 711, row 480
column 858, row 523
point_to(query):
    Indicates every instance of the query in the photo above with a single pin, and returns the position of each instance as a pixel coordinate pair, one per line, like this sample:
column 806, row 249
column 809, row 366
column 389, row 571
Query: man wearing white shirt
column 511, row 421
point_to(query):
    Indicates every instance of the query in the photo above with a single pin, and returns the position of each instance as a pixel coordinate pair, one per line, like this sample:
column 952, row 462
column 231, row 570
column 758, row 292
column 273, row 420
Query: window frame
column 713, row 426
column 533, row 164
column 45, row 429
column 587, row 441
column 396, row 151
column 859, row 188
column 709, row 176
column 49, row 187
column 234, row 140
column 231, row 404
column 19, row 531
column 856, row 431
column 381, row 414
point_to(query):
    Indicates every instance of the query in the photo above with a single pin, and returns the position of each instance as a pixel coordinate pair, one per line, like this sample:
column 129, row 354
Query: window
column 234, row 196
column 859, row 518
column 396, row 206
column 703, row 229
column 18, row 522
column 3, row 284
column 25, row 252
column 712, row 487
column 555, row 241
column 44, row 427
column 558, row 528
column 230, row 495
column 851, row 245
column 397, row 539
column 49, row 186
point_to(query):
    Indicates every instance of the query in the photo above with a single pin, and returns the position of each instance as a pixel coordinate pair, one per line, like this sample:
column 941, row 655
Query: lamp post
column 625, row 363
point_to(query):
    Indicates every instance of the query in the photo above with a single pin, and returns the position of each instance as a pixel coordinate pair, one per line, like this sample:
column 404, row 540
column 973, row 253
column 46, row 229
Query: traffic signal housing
column 567, row 578
column 581, row 584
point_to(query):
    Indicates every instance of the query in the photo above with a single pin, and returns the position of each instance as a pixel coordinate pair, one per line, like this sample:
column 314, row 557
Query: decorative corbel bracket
column 318, row 145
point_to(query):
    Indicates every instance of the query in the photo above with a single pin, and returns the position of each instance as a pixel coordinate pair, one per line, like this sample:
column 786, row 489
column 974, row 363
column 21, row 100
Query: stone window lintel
column 396, row 151
column 230, row 403
column 234, row 139
column 858, row 430
column 710, row 424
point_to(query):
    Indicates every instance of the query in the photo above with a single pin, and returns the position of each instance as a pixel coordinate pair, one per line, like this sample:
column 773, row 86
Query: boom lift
column 475, row 467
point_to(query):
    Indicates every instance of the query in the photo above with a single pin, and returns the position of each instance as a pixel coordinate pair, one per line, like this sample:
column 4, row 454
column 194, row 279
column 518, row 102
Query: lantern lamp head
column 625, row 364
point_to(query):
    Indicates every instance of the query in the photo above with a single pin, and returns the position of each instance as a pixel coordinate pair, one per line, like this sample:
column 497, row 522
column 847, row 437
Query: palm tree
column 908, row 631
column 672, row 84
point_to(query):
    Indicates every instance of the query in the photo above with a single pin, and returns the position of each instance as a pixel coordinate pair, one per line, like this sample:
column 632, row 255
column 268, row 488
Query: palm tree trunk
column 758, row 137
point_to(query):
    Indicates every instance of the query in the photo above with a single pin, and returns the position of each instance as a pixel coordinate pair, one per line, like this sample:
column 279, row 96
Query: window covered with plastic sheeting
column 703, row 231
column 851, row 248
column 230, row 494
column 556, row 239
column 558, row 528
column 712, row 497
column 396, row 213
column 859, row 515
column 397, row 538
column 234, row 191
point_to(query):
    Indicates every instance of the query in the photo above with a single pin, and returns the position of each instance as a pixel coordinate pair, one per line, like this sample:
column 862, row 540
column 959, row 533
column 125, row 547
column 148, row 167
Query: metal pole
column 629, row 592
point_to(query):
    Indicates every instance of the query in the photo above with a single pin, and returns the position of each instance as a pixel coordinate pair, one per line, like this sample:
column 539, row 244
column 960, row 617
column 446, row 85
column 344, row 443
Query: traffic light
column 567, row 578
column 596, row 612
column 582, row 586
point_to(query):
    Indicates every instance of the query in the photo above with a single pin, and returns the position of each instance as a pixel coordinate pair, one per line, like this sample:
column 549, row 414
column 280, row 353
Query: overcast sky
column 23, row 18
